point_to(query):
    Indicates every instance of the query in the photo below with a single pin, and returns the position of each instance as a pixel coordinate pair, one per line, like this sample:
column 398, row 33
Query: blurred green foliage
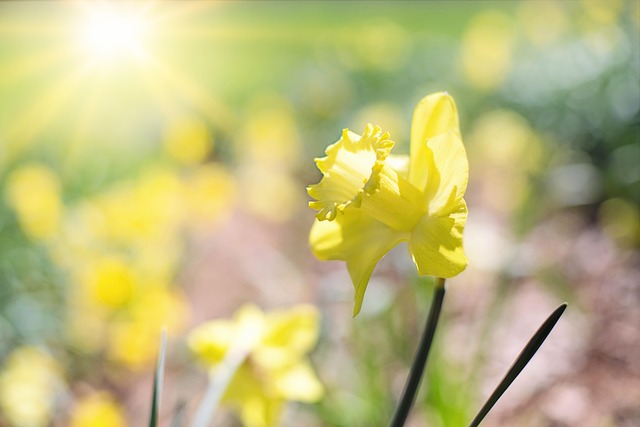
column 549, row 100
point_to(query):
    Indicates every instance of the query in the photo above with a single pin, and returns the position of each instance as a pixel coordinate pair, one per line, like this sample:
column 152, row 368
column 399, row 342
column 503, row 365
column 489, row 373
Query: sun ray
column 30, row 123
column 156, row 88
column 250, row 33
column 33, row 64
column 173, row 11
column 31, row 29
column 164, row 82
column 80, row 130
column 197, row 96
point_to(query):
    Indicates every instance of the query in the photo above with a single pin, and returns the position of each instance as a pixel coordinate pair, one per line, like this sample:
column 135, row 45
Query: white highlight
column 111, row 31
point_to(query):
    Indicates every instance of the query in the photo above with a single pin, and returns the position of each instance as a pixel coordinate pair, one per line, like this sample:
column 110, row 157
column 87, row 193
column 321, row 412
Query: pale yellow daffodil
column 29, row 382
column 369, row 200
column 34, row 192
column 97, row 410
column 275, row 369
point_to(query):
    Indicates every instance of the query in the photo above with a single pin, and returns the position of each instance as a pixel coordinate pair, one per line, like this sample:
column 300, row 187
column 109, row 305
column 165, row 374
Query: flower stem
column 420, row 360
column 523, row 358
column 218, row 384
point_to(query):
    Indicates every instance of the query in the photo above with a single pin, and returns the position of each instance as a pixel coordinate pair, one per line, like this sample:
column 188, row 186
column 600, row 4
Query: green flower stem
column 218, row 384
column 523, row 358
column 415, row 375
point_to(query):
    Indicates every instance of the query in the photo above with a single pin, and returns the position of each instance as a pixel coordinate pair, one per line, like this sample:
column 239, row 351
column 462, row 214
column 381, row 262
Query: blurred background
column 153, row 164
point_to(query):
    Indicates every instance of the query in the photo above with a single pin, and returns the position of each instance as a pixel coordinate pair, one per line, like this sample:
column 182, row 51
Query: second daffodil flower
column 369, row 200
column 275, row 367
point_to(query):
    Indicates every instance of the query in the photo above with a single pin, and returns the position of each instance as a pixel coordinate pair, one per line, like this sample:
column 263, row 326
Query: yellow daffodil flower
column 34, row 192
column 275, row 368
column 29, row 382
column 98, row 410
column 369, row 200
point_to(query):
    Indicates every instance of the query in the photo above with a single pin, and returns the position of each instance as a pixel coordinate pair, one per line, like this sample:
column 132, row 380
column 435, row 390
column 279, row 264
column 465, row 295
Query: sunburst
column 76, row 69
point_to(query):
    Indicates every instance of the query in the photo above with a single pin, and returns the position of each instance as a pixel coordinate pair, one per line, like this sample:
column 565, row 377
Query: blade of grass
column 521, row 361
column 158, row 378
column 420, row 360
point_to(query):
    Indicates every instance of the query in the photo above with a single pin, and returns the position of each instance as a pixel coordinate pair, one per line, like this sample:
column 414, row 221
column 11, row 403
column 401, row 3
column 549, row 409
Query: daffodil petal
column 400, row 163
column 244, row 384
column 299, row 382
column 261, row 411
column 288, row 336
column 250, row 325
column 210, row 341
column 297, row 327
column 436, row 243
column 359, row 240
column 448, row 173
column 435, row 114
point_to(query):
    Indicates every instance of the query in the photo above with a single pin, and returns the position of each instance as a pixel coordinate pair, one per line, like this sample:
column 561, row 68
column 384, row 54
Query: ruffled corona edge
column 350, row 170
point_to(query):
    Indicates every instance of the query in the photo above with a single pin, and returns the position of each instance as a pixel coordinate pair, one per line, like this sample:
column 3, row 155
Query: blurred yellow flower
column 603, row 12
column 122, row 248
column 382, row 45
column 275, row 370
column 133, row 337
column 265, row 188
column 110, row 281
column 542, row 21
column 33, row 191
column 486, row 50
column 146, row 210
column 369, row 200
column 188, row 141
column 97, row 410
column 28, row 385
column 209, row 193
column 621, row 221
column 269, row 146
column 507, row 153
column 132, row 343
column 269, row 135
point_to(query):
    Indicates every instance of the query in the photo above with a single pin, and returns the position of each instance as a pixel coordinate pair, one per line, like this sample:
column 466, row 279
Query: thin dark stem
column 158, row 379
column 413, row 381
column 525, row 356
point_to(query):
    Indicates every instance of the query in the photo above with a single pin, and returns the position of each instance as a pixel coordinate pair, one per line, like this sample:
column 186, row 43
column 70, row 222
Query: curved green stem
column 218, row 384
column 420, row 360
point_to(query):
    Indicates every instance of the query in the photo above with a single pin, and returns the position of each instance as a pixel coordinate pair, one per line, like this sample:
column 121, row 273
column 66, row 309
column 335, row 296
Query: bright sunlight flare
column 111, row 31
